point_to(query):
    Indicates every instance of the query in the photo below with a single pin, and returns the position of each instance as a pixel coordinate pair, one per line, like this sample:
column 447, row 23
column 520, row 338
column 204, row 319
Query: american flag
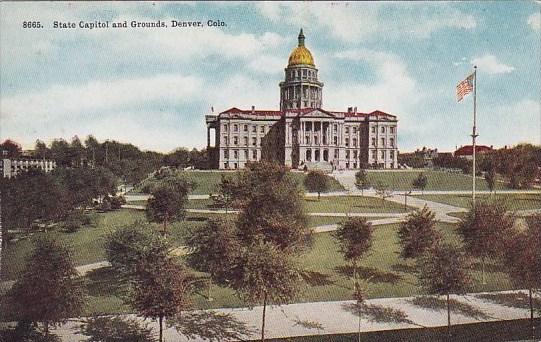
column 464, row 88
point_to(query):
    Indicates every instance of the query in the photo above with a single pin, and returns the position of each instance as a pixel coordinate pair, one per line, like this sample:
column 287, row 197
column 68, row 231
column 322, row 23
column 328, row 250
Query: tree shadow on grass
column 370, row 274
column 377, row 313
column 211, row 326
column 105, row 280
column 404, row 268
column 314, row 278
column 440, row 304
column 115, row 328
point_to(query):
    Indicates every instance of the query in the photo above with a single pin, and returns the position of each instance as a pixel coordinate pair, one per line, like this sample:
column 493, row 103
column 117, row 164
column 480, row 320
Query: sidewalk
column 320, row 318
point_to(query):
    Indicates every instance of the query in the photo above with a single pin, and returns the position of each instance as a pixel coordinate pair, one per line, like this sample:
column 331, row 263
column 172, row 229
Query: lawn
column 325, row 272
column 513, row 201
column 206, row 182
column 437, row 180
column 351, row 204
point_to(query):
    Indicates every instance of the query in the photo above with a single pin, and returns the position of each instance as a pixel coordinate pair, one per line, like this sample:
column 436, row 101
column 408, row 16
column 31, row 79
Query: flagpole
column 474, row 134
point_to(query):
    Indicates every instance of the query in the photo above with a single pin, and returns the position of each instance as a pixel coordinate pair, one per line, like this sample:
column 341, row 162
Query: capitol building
column 303, row 135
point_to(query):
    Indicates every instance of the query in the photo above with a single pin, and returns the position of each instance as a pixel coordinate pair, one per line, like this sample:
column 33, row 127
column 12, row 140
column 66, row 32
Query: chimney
column 350, row 109
column 253, row 109
column 355, row 110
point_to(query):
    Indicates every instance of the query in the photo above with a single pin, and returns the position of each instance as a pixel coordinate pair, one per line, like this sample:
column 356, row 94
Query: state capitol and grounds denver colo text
column 82, row 24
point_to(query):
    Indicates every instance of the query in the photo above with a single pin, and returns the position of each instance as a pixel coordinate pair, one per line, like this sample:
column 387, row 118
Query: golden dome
column 301, row 55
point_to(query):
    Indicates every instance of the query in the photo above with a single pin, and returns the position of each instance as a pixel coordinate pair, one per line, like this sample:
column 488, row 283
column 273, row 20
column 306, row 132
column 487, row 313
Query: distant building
column 10, row 167
column 467, row 151
column 302, row 134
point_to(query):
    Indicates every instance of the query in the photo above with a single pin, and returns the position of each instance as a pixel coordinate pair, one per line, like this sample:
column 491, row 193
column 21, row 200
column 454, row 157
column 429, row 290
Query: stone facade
column 302, row 134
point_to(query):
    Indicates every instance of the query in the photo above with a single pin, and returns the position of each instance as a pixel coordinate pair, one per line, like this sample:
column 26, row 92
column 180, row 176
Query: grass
column 513, row 201
column 206, row 182
column 437, row 180
column 325, row 269
column 351, row 204
column 512, row 330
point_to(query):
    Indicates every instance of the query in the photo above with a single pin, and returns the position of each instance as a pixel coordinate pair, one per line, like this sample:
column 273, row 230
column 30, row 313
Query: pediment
column 317, row 113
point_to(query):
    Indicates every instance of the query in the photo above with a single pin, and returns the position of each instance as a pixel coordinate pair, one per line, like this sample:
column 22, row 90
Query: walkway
column 319, row 318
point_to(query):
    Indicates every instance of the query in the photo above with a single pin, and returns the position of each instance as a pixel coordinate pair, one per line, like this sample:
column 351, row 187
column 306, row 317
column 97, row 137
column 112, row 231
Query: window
column 354, row 130
column 235, row 140
column 245, row 128
column 245, row 141
column 354, row 142
column 235, row 128
column 373, row 129
column 226, row 165
column 347, row 154
column 225, row 127
column 382, row 154
column 373, row 141
column 392, row 154
column 254, row 128
column 336, row 153
column 335, row 128
column 235, row 154
column 382, row 129
column 347, row 142
column 262, row 129
column 304, row 72
column 336, row 140
column 254, row 141
column 307, row 139
column 254, row 154
column 392, row 142
column 382, row 141
column 354, row 154
column 225, row 139
column 315, row 140
column 347, row 129
column 392, row 129
column 246, row 154
column 226, row 154
column 374, row 154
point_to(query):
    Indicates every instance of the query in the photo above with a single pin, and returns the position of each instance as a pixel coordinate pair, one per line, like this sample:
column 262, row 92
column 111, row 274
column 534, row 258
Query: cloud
column 534, row 21
column 491, row 65
column 351, row 22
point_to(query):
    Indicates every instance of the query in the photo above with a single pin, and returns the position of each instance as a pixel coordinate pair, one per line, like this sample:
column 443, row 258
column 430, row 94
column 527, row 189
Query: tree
column 383, row 191
column 522, row 258
column 482, row 229
column 160, row 290
column 264, row 274
column 166, row 205
column 420, row 182
column 361, row 180
column 128, row 246
column 417, row 233
column 490, row 177
column 214, row 249
column 316, row 181
column 442, row 270
column 228, row 193
column 10, row 149
column 355, row 240
column 41, row 151
column 48, row 290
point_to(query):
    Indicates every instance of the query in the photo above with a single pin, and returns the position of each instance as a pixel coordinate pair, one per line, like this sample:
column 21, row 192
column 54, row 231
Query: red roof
column 468, row 150
column 235, row 110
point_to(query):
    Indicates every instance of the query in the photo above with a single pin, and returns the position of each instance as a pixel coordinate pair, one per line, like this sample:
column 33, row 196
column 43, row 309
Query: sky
column 153, row 86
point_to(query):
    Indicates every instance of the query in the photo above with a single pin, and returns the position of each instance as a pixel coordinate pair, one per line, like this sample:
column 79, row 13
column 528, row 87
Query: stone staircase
column 321, row 166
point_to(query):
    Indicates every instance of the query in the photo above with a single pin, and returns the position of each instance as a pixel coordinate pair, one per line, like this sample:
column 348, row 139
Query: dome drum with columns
column 301, row 134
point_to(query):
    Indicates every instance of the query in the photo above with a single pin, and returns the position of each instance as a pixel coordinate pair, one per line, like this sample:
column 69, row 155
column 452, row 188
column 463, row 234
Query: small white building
column 10, row 167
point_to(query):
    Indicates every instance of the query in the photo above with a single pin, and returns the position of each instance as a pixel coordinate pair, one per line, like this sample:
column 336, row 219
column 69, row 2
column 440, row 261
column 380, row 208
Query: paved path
column 305, row 319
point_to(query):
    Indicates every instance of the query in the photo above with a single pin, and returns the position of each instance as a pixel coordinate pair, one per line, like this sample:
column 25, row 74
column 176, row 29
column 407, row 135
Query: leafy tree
column 273, row 210
column 361, row 180
column 228, row 193
column 60, row 152
column 316, row 181
column 167, row 204
column 420, row 182
column 264, row 274
column 41, row 151
column 443, row 270
column 355, row 240
column 178, row 158
column 128, row 246
column 214, row 249
column 522, row 258
column 160, row 290
column 482, row 230
column 48, row 291
column 383, row 191
column 418, row 233
column 10, row 149
column 490, row 177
